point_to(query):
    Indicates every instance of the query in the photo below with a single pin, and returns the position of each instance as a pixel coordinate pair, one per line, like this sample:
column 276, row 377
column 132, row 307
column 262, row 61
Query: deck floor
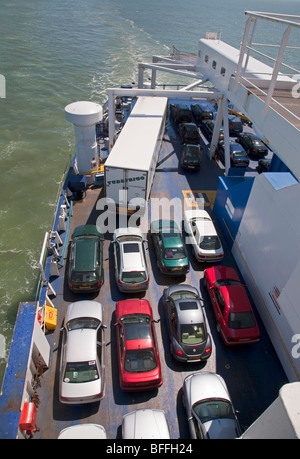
column 253, row 373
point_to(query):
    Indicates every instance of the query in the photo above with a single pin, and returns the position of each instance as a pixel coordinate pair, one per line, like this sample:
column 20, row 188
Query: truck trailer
column 130, row 167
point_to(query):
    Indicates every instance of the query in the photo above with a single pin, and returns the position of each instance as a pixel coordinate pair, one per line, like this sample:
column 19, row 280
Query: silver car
column 82, row 354
column 131, row 269
column 190, row 340
column 83, row 432
column 145, row 424
column 209, row 408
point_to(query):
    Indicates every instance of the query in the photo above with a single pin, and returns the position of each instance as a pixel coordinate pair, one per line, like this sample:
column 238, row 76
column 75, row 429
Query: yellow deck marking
column 198, row 197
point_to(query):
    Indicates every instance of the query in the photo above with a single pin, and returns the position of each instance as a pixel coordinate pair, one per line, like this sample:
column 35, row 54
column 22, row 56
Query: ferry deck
column 253, row 373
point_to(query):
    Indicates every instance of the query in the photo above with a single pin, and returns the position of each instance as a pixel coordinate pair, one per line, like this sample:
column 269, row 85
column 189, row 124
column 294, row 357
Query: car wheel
column 204, row 282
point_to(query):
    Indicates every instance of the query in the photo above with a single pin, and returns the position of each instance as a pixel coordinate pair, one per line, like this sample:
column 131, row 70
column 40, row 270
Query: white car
column 82, row 354
column 209, row 408
column 145, row 424
column 203, row 236
column 131, row 269
column 83, row 432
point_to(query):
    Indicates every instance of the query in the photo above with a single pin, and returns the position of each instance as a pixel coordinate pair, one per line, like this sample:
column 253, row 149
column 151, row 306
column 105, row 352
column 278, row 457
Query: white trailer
column 130, row 167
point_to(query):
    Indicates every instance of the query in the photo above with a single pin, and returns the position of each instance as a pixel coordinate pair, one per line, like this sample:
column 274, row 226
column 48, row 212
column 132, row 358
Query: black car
column 263, row 165
column 85, row 263
column 235, row 125
column 190, row 340
column 238, row 156
column 181, row 113
column 202, row 111
column 191, row 157
column 189, row 133
column 207, row 127
column 253, row 145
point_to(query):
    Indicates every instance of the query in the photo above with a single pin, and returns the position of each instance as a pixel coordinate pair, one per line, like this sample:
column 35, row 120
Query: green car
column 171, row 254
column 85, row 268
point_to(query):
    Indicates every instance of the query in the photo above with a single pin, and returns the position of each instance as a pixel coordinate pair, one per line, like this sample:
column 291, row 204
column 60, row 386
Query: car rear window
column 140, row 360
column 192, row 334
column 241, row 320
column 81, row 372
column 174, row 254
column 133, row 277
column 210, row 243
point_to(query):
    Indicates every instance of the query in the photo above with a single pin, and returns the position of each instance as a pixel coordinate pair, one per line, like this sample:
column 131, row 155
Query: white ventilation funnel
column 84, row 115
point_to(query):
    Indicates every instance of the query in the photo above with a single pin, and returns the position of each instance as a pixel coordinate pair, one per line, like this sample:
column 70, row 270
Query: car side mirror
column 156, row 321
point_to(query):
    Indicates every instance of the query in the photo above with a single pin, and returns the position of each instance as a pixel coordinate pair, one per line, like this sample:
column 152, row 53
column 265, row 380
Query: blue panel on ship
column 231, row 199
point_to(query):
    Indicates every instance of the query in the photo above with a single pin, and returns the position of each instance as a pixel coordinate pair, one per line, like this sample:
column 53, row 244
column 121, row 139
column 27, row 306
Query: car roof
column 85, row 254
column 81, row 345
column 132, row 260
column 145, row 423
column 189, row 311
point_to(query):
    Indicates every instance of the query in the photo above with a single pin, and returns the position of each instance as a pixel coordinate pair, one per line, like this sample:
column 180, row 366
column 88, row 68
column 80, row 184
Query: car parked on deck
column 263, row 165
column 181, row 113
column 207, row 128
column 191, row 157
column 131, row 268
column 238, row 156
column 253, row 145
column 190, row 340
column 209, row 408
column 170, row 251
column 188, row 133
column 203, row 237
column 83, row 432
column 232, row 308
column 85, row 262
column 82, row 365
column 145, row 424
column 235, row 125
column 138, row 357
column 203, row 110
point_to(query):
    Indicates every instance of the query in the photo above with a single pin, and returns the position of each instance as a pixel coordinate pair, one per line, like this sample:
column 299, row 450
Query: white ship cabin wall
column 267, row 251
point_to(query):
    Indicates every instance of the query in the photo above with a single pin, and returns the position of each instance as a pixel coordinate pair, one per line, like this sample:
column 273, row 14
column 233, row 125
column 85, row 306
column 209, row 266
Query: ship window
column 199, row 53
column 222, row 71
column 206, row 58
column 214, row 64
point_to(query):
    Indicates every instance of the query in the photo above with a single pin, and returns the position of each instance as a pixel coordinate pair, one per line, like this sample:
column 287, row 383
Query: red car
column 139, row 364
column 235, row 318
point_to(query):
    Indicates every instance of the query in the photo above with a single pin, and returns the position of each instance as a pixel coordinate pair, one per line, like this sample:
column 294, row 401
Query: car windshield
column 192, row 334
column 211, row 409
column 133, row 277
column 137, row 326
column 183, row 295
column 83, row 322
column 240, row 320
column 174, row 253
column 209, row 243
column 133, row 247
column 81, row 372
column 258, row 143
column 140, row 360
column 223, row 282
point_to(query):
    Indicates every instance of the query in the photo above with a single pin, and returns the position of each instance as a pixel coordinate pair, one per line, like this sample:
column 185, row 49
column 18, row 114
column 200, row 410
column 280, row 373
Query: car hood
column 221, row 429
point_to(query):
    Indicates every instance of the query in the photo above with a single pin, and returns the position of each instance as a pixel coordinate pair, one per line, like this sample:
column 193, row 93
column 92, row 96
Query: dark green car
column 171, row 254
column 85, row 269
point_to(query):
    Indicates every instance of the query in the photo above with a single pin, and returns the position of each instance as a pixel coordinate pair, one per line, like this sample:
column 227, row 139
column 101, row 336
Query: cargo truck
column 130, row 167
